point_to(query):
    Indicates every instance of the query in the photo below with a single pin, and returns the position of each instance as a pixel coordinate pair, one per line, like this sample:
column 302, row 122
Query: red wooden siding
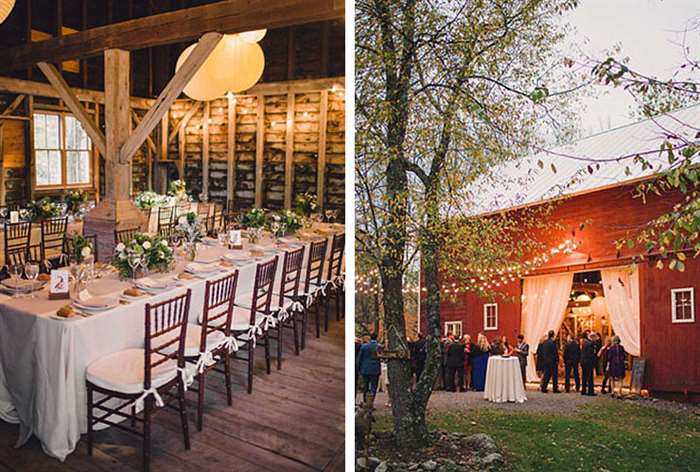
column 672, row 350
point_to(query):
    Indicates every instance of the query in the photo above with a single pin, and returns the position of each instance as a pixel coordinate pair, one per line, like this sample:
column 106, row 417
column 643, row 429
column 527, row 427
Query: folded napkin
column 236, row 258
column 90, row 301
column 201, row 268
column 148, row 282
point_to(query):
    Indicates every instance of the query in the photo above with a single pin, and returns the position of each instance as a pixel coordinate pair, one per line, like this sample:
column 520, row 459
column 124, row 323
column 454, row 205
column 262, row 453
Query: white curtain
column 621, row 288
column 544, row 305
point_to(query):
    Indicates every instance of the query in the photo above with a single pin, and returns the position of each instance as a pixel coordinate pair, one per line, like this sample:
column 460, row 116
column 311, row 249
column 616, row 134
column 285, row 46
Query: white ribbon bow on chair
column 269, row 320
column 252, row 332
column 230, row 343
column 206, row 359
column 340, row 280
column 282, row 314
column 151, row 391
column 187, row 379
column 296, row 306
column 309, row 299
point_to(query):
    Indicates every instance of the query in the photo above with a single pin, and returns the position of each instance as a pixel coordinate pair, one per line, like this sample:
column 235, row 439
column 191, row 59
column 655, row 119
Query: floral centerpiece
column 286, row 221
column 43, row 209
column 74, row 199
column 189, row 228
column 148, row 199
column 178, row 190
column 254, row 218
column 306, row 204
column 81, row 247
column 142, row 252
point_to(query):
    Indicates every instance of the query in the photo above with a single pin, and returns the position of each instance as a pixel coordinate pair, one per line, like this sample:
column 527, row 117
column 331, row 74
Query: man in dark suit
column 550, row 358
column 572, row 358
column 589, row 358
column 454, row 364
column 522, row 350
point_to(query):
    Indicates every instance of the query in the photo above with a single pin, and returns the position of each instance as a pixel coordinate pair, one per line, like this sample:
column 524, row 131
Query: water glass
column 31, row 270
column 16, row 271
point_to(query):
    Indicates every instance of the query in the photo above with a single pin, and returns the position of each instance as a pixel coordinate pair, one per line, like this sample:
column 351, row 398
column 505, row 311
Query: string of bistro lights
column 481, row 280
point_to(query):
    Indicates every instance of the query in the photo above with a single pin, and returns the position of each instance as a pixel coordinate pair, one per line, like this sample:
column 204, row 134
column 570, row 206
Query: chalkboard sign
column 638, row 366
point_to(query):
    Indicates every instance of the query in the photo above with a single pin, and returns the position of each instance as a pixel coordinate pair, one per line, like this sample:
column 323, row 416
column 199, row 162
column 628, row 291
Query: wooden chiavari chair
column 181, row 209
column 53, row 240
column 287, row 302
column 165, row 218
column 203, row 211
column 209, row 344
column 312, row 284
column 125, row 235
column 216, row 220
column 333, row 286
column 145, row 375
column 18, row 249
column 166, row 230
column 250, row 323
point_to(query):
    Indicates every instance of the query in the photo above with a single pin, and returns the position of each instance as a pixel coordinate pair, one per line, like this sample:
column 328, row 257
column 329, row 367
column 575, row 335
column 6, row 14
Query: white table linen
column 504, row 382
column 43, row 360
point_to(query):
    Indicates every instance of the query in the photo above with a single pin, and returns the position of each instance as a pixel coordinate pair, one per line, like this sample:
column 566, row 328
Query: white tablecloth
column 504, row 382
column 43, row 360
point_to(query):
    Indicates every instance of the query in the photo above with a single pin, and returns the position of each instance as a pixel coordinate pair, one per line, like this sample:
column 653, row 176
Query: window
column 62, row 151
column 491, row 316
column 453, row 327
column 682, row 305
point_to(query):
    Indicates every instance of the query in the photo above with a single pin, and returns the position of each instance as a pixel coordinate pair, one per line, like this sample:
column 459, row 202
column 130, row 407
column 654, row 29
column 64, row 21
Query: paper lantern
column 253, row 36
column 6, row 7
column 599, row 306
column 239, row 65
column 202, row 86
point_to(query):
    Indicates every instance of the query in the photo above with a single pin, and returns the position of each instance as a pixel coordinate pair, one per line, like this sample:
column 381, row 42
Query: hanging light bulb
column 253, row 36
column 6, row 7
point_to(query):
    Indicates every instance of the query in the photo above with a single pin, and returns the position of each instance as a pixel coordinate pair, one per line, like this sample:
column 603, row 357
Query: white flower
column 122, row 256
column 146, row 245
column 182, row 220
column 163, row 243
column 120, row 247
column 86, row 251
column 161, row 255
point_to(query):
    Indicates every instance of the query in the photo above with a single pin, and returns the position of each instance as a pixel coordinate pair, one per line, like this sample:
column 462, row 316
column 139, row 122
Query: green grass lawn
column 615, row 436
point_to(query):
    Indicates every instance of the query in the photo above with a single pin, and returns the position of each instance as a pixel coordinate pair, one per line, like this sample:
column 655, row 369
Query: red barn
column 582, row 282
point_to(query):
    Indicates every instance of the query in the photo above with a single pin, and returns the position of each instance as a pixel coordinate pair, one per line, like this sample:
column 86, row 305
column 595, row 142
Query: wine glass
column 90, row 263
column 222, row 237
column 134, row 261
column 331, row 215
column 275, row 228
column 16, row 271
column 31, row 270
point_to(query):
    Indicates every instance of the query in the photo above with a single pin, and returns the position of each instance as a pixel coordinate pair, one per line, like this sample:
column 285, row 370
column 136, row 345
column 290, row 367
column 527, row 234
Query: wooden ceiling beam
column 74, row 105
column 230, row 16
column 40, row 89
column 169, row 94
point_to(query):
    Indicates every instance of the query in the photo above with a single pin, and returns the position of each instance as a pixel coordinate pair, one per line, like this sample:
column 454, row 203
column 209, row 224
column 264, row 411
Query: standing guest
column 467, row 341
column 616, row 365
column 507, row 348
column 522, row 350
column 539, row 357
column 588, row 362
column 598, row 346
column 358, row 345
column 443, row 352
column 572, row 359
column 369, row 366
column 603, row 362
column 550, row 362
column 420, row 350
column 479, row 360
column 497, row 349
column 455, row 365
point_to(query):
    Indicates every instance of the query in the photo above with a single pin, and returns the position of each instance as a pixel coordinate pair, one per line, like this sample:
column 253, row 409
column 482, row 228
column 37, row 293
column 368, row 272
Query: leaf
column 554, row 169
column 630, row 243
column 541, row 164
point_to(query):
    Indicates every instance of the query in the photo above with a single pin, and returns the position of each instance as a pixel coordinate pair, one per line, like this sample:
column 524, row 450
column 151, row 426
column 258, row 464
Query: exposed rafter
column 230, row 16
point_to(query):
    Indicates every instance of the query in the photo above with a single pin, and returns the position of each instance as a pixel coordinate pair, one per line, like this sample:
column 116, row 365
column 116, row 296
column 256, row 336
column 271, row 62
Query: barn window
column 62, row 151
column 682, row 305
column 453, row 327
column 491, row 316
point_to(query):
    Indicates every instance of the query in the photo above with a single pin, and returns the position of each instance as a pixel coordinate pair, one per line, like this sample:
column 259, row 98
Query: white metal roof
column 526, row 183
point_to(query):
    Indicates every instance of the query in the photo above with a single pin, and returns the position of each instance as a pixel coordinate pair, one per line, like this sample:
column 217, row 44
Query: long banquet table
column 43, row 360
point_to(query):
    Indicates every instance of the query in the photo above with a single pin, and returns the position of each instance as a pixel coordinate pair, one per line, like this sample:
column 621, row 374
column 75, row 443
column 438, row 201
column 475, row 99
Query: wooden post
column 164, row 122
column 259, row 148
column 289, row 152
column 321, row 172
column 205, row 149
column 231, row 149
column 96, row 158
column 181, row 140
column 30, row 155
column 116, row 210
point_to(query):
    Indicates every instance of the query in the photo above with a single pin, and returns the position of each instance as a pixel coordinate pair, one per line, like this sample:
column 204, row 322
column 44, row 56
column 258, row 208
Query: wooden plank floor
column 293, row 421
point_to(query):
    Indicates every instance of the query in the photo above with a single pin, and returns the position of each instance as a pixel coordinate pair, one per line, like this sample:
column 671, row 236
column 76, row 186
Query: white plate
column 156, row 285
column 95, row 309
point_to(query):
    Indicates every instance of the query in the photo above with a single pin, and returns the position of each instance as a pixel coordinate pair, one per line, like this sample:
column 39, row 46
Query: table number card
column 14, row 217
column 59, row 285
column 235, row 238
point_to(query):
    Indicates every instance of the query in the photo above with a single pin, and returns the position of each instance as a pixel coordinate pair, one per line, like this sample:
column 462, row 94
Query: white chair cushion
column 122, row 371
column 241, row 319
column 192, row 342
